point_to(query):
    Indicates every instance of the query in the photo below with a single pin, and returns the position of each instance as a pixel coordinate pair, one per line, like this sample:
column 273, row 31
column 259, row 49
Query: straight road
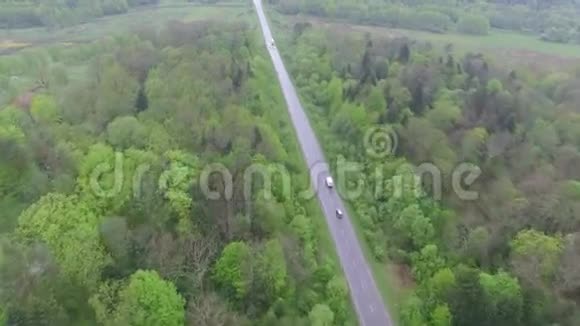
column 363, row 289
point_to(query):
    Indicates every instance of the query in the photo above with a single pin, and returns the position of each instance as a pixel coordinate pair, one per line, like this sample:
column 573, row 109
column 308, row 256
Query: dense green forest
column 102, row 217
column 556, row 21
column 506, row 257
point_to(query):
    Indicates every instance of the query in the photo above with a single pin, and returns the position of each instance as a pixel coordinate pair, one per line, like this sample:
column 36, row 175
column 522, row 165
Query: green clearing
column 151, row 18
column 496, row 40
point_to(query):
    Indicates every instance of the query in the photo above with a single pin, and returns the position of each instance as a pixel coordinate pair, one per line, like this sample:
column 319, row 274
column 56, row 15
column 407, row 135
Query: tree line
column 506, row 258
column 555, row 21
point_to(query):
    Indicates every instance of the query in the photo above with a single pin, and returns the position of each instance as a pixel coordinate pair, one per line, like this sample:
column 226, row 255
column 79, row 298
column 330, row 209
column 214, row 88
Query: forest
column 105, row 217
column 554, row 21
column 102, row 220
column 507, row 257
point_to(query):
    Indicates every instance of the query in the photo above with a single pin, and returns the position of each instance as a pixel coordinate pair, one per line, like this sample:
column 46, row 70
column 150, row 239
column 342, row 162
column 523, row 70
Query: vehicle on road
column 339, row 213
column 329, row 182
column 272, row 44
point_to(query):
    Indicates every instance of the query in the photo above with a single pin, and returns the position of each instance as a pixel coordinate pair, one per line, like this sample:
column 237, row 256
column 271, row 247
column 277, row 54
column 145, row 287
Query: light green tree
column 445, row 113
column 271, row 269
column 376, row 102
column 427, row 262
column 473, row 144
column 411, row 312
column 535, row 256
column 176, row 182
column 321, row 315
column 232, row 271
column 70, row 229
column 44, row 109
column 441, row 316
column 146, row 300
column 504, row 298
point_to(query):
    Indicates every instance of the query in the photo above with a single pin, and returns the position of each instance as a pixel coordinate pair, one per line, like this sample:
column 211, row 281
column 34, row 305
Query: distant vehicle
column 339, row 213
column 272, row 43
column 329, row 182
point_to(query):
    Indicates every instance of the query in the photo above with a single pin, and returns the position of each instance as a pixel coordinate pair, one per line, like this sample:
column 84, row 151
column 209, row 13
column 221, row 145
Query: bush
column 432, row 21
column 557, row 35
column 114, row 7
column 507, row 19
column 473, row 25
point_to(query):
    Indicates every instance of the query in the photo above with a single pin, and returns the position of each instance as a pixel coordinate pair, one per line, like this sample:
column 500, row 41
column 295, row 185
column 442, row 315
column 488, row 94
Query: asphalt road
column 363, row 289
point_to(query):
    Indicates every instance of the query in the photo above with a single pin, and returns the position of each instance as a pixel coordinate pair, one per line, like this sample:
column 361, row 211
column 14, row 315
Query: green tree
column 117, row 93
column 70, row 229
column 504, row 299
column 535, row 256
column 467, row 299
column 376, row 102
column 494, row 86
column 334, row 94
column 411, row 312
column 441, row 316
column 427, row 262
column 545, row 136
column 412, row 222
column 232, row 271
column 176, row 182
column 271, row 270
column 44, row 109
column 321, row 315
column 441, row 284
column 126, row 132
column 147, row 300
column 473, row 144
column 337, row 297
column 445, row 114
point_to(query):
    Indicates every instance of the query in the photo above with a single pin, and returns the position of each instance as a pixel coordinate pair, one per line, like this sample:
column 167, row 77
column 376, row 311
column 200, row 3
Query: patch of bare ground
column 403, row 275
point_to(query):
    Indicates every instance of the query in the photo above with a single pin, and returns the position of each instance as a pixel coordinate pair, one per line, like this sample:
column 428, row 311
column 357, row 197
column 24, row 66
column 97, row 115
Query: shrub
column 473, row 25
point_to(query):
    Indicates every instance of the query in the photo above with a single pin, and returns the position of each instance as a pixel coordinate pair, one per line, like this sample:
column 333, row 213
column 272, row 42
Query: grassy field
column 497, row 39
column 150, row 17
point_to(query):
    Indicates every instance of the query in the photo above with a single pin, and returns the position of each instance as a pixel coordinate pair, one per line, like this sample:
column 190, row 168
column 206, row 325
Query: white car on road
column 329, row 182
